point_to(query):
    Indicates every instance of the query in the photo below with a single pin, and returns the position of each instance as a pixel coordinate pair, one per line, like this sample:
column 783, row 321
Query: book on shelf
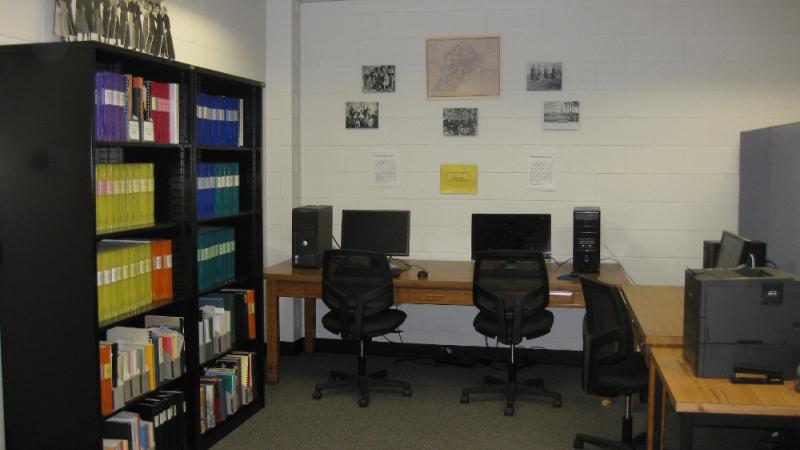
column 225, row 388
column 124, row 196
column 227, row 318
column 217, row 189
column 130, row 108
column 216, row 262
column 131, row 274
column 219, row 120
column 157, row 421
column 124, row 278
column 138, row 360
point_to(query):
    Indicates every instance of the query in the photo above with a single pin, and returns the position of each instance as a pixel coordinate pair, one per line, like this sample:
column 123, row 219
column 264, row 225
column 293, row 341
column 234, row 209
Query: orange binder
column 106, row 395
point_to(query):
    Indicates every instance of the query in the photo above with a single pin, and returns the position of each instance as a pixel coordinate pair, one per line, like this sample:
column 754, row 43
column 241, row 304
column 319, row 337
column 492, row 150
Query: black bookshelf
column 48, row 313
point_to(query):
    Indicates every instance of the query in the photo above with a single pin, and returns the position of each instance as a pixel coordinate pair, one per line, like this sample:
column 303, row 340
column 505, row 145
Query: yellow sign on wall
column 458, row 178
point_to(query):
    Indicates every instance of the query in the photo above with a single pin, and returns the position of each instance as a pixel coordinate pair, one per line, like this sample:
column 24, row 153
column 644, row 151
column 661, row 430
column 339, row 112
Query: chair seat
column 532, row 327
column 626, row 377
column 375, row 325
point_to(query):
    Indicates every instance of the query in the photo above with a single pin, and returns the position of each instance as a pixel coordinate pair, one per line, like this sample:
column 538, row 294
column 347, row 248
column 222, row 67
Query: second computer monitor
column 510, row 232
column 734, row 250
column 381, row 231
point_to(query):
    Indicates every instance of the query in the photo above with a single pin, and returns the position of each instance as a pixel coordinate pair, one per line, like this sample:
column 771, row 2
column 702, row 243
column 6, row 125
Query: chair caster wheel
column 509, row 411
column 464, row 398
column 317, row 394
column 363, row 401
column 557, row 404
column 407, row 392
column 577, row 443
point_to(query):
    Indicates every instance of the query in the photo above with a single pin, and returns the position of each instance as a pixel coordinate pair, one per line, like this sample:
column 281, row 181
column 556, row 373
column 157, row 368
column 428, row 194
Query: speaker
column 711, row 250
column 312, row 231
column 586, row 239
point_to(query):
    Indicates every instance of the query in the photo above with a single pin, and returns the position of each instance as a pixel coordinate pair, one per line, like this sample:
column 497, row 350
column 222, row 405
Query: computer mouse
column 422, row 275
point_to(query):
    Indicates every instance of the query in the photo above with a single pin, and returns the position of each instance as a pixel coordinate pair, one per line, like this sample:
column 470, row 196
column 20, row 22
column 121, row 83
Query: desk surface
column 456, row 275
column 690, row 394
column 657, row 313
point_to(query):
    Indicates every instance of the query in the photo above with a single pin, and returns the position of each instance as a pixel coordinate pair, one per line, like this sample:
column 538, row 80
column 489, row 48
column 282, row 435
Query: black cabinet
column 48, row 239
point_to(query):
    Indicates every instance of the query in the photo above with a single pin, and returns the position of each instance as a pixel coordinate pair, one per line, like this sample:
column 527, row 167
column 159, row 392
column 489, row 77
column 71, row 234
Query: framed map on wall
column 463, row 67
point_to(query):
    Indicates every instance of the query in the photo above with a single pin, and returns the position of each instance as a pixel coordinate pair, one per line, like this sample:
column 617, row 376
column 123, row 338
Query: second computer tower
column 312, row 231
column 586, row 239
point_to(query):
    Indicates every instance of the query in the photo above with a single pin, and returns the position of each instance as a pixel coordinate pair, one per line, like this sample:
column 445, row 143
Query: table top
column 452, row 275
column 690, row 394
column 657, row 313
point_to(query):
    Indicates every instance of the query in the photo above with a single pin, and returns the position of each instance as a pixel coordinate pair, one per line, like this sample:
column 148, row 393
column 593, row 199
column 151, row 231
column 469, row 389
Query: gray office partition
column 769, row 192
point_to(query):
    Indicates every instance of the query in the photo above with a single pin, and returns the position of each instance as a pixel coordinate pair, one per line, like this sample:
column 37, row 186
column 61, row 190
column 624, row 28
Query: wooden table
column 717, row 401
column 448, row 283
column 657, row 315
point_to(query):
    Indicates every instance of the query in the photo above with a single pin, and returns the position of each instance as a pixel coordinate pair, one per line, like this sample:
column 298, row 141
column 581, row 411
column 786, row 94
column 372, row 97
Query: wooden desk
column 657, row 315
column 448, row 283
column 717, row 401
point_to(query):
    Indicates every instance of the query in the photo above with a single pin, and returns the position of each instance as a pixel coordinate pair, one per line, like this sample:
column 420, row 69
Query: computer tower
column 586, row 239
column 312, row 232
column 711, row 250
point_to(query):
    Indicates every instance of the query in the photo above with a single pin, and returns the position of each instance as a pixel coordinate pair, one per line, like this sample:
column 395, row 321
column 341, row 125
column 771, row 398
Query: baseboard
column 458, row 355
column 292, row 348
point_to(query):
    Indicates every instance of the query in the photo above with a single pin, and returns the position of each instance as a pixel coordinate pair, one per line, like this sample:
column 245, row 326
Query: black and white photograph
column 141, row 25
column 544, row 77
column 361, row 115
column 377, row 78
column 460, row 121
column 561, row 115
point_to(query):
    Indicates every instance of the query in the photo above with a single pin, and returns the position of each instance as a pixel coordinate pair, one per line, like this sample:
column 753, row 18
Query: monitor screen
column 734, row 250
column 384, row 232
column 510, row 232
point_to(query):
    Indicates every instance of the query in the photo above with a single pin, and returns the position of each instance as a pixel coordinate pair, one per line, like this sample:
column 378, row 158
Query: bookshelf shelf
column 175, row 382
column 138, row 231
column 139, row 145
column 157, row 307
column 50, row 335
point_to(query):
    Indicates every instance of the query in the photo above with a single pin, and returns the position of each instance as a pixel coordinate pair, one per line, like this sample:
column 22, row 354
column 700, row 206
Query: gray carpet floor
column 433, row 418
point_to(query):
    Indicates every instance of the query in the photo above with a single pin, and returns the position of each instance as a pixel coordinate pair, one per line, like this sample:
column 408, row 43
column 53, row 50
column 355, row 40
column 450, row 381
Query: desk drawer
column 433, row 296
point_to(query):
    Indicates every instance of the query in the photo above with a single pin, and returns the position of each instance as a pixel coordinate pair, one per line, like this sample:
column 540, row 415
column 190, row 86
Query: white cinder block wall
column 665, row 88
column 222, row 35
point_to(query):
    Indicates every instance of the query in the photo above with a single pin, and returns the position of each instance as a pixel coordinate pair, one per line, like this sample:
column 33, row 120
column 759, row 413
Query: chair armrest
column 499, row 308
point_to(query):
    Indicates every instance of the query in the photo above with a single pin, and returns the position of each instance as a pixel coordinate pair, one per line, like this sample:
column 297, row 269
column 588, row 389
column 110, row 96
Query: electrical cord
column 614, row 258
column 335, row 241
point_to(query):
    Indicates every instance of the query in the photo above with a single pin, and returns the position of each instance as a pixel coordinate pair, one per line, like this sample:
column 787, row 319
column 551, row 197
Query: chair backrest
column 607, row 330
column 356, row 284
column 510, row 285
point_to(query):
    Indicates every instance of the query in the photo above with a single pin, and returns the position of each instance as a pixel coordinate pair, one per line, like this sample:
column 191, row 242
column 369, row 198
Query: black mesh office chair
column 511, row 292
column 357, row 287
column 611, row 366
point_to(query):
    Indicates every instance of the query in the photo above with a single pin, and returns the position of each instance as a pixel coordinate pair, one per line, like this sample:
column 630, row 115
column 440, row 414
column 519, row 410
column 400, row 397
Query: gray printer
column 741, row 317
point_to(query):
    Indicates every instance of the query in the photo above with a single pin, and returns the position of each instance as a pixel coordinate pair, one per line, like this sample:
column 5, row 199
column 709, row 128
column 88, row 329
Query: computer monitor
column 379, row 231
column 510, row 232
column 734, row 250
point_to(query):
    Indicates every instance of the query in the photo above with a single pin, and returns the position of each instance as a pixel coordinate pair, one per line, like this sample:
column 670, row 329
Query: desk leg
column 651, row 401
column 273, row 334
column 687, row 428
column 310, row 323
column 658, row 404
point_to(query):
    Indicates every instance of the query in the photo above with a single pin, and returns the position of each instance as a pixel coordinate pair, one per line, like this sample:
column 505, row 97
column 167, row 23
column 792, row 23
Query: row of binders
column 134, row 361
column 227, row 318
column 226, row 387
column 219, row 120
column 124, row 196
column 132, row 274
column 130, row 108
column 217, row 189
column 156, row 422
column 216, row 257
